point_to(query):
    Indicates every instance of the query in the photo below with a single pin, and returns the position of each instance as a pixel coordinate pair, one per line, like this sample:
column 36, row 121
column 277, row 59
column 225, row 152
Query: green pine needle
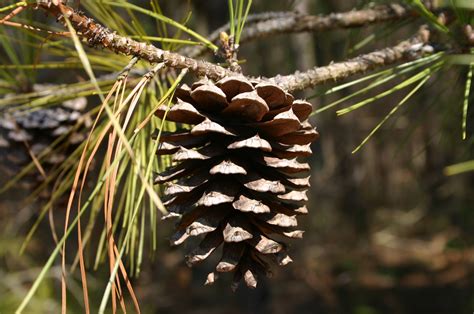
column 465, row 107
column 13, row 6
column 381, row 78
column 419, row 76
column 392, row 112
column 459, row 168
column 428, row 15
column 164, row 19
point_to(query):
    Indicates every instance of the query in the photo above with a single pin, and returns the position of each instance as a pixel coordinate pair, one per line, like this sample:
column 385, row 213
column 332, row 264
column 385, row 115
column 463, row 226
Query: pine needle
column 231, row 18
column 13, row 6
column 164, row 19
column 390, row 114
column 57, row 250
column 104, row 301
column 467, row 92
column 459, row 168
column 428, row 15
column 419, row 76
column 242, row 20
column 382, row 77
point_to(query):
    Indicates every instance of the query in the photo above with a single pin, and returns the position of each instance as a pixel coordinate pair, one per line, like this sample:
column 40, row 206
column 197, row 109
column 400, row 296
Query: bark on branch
column 309, row 23
column 269, row 24
column 408, row 49
column 99, row 36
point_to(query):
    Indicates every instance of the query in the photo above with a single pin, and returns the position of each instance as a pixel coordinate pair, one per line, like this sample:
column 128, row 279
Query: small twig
column 125, row 71
column 13, row 13
column 18, row 10
column 229, row 48
column 32, row 28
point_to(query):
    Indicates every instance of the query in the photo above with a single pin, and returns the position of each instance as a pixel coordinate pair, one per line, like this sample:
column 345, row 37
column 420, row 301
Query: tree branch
column 273, row 23
column 100, row 36
column 408, row 49
column 309, row 23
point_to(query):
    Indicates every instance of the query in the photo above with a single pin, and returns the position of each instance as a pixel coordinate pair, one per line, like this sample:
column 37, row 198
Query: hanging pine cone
column 237, row 180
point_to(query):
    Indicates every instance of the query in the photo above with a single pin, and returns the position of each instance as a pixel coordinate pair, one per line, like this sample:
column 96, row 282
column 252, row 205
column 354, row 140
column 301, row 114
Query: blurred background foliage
column 389, row 230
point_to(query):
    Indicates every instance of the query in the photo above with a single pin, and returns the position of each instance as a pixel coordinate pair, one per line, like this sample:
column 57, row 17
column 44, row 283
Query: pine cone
column 237, row 179
column 36, row 130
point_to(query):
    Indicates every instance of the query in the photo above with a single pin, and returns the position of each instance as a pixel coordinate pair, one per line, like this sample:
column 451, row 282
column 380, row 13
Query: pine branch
column 273, row 23
column 309, row 23
column 99, row 36
column 408, row 49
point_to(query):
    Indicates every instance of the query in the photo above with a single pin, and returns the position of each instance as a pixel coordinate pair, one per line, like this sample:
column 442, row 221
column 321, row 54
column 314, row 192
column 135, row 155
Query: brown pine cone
column 23, row 133
column 237, row 179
